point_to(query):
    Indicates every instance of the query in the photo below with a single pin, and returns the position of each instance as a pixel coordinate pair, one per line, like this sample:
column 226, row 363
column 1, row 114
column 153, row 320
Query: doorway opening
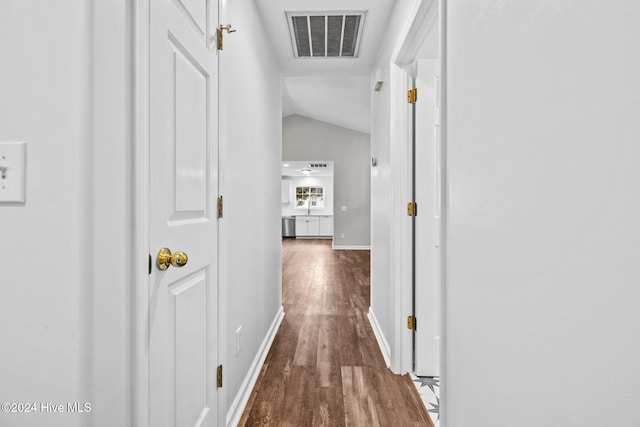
column 307, row 199
column 418, row 147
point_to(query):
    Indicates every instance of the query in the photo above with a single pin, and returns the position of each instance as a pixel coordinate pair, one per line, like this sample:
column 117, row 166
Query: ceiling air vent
column 325, row 34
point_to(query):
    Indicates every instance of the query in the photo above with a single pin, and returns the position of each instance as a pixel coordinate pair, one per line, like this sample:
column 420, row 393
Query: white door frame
column 428, row 191
column 422, row 19
column 400, row 159
column 140, row 374
column 140, row 38
column 223, row 238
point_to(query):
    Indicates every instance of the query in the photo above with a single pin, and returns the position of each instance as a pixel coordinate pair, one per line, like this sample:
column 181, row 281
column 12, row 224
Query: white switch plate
column 13, row 167
column 343, row 208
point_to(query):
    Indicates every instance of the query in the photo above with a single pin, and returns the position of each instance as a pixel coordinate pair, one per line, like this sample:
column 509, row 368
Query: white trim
column 351, row 248
column 422, row 17
column 240, row 402
column 140, row 374
column 399, row 155
column 380, row 338
column 223, row 239
column 106, row 363
column 400, row 158
column 444, row 215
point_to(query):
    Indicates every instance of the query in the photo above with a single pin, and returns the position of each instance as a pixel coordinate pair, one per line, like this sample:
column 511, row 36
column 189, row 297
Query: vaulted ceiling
column 334, row 90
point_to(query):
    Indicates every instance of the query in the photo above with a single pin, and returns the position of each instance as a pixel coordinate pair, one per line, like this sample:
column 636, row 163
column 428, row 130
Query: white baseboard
column 237, row 407
column 380, row 338
column 351, row 248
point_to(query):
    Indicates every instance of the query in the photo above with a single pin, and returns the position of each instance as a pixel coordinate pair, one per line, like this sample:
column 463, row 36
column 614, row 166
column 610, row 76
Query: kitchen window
column 310, row 197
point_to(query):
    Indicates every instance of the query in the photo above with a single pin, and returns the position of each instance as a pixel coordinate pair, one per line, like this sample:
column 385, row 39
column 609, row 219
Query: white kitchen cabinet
column 326, row 225
column 314, row 226
column 286, row 191
column 307, row 226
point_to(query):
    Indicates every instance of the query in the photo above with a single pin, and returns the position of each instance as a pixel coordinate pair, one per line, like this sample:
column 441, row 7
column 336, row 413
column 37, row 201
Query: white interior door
column 183, row 305
column 427, row 225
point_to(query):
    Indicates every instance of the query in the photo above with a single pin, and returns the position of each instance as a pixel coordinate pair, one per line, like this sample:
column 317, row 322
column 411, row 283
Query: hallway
column 324, row 367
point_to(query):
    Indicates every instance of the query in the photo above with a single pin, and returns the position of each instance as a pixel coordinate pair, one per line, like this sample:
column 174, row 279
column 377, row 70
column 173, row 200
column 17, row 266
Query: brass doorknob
column 166, row 258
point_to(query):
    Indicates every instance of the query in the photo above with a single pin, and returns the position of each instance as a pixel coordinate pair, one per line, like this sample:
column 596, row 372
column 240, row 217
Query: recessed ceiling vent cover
column 326, row 34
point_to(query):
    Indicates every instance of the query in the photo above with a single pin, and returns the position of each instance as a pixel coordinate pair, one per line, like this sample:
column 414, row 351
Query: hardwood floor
column 324, row 367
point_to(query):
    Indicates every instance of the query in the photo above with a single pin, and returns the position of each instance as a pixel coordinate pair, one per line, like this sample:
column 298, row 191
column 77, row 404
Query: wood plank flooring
column 324, row 367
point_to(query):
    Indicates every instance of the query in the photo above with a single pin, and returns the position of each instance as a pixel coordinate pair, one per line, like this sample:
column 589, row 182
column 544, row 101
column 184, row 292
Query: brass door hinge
column 412, row 95
column 412, row 323
column 221, row 30
column 220, row 206
column 412, row 209
column 220, row 376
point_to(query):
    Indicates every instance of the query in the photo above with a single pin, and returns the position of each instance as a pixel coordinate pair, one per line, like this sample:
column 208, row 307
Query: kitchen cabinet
column 314, row 226
column 307, row 226
column 286, row 191
column 326, row 225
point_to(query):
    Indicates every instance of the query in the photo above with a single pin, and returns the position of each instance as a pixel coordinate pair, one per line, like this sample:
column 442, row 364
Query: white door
column 183, row 306
column 427, row 224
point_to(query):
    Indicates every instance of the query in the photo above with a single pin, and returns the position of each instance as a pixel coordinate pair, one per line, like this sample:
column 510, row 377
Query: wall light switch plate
column 13, row 171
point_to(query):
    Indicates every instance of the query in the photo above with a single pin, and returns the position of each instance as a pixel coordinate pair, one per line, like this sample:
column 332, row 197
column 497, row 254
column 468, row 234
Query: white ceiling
column 341, row 100
column 333, row 90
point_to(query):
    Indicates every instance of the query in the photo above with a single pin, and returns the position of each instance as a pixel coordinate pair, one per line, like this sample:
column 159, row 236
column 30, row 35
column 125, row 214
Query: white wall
column 44, row 92
column 64, row 313
column 303, row 139
column 542, row 325
column 381, row 305
column 309, row 181
column 251, row 175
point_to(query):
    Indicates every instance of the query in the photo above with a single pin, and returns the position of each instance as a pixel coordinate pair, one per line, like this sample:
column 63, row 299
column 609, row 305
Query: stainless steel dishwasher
column 288, row 226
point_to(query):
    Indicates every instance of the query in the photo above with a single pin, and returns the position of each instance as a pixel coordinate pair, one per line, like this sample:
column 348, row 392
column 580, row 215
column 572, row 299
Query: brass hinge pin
column 412, row 96
column 220, row 31
column 220, row 206
column 412, row 209
column 412, row 323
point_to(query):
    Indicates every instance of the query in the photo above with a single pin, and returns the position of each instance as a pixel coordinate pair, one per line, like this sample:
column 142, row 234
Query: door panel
column 196, row 11
column 188, row 324
column 183, row 185
column 190, row 125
